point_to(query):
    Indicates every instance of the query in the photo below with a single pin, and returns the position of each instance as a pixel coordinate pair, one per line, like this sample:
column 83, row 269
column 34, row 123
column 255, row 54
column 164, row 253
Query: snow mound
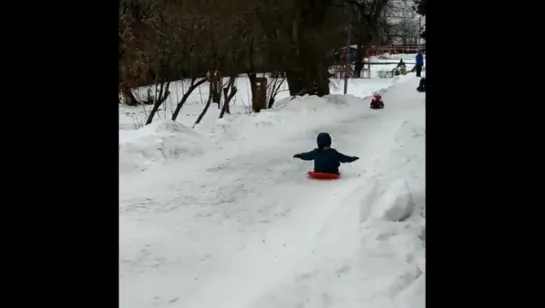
column 393, row 243
column 306, row 111
column 264, row 118
column 310, row 102
column 413, row 295
column 158, row 142
column 385, row 200
column 385, row 56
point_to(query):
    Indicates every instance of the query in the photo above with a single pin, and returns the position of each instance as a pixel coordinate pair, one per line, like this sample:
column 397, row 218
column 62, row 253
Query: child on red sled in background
column 376, row 102
column 326, row 159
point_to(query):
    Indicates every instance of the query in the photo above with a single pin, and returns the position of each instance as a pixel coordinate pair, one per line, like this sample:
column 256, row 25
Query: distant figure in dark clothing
column 419, row 63
column 325, row 158
column 422, row 85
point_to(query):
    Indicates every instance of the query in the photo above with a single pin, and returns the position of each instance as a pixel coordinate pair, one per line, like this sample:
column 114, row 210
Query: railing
column 391, row 63
column 397, row 49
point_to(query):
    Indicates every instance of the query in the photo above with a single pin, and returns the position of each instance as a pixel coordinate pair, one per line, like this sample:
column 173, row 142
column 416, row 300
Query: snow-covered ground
column 223, row 216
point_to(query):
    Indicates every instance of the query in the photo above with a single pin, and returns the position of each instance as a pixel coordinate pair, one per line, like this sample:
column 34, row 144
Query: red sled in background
column 323, row 175
column 377, row 102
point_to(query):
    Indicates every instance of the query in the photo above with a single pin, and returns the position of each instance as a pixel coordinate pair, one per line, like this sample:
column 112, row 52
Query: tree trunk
column 275, row 87
column 208, row 103
column 216, row 87
column 311, row 76
column 321, row 78
column 315, row 83
column 161, row 98
column 127, row 95
column 186, row 96
column 253, row 84
column 228, row 94
column 358, row 65
column 295, row 82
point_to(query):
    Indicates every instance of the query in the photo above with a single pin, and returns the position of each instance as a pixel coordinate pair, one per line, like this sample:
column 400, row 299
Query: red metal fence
column 393, row 49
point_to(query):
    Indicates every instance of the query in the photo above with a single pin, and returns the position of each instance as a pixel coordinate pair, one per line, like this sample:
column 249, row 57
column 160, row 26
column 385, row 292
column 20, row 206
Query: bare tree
column 194, row 85
column 133, row 60
column 166, row 40
column 405, row 22
column 420, row 7
column 145, row 50
column 368, row 17
column 273, row 88
column 229, row 92
column 206, row 106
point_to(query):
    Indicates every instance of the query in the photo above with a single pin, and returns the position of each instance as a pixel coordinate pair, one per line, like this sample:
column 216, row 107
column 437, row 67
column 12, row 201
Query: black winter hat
column 323, row 140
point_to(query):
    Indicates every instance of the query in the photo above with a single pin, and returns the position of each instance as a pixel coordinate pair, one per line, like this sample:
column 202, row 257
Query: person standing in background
column 419, row 63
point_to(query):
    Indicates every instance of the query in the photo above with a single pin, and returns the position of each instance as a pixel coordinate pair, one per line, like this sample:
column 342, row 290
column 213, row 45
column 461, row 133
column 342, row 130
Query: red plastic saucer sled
column 323, row 175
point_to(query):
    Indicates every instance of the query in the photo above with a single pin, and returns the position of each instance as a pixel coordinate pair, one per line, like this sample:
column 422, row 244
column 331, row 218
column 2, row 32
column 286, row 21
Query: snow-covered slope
column 240, row 226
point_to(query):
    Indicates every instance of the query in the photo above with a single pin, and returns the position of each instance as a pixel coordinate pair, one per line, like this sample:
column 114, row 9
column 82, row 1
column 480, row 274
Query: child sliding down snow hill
column 326, row 159
column 377, row 102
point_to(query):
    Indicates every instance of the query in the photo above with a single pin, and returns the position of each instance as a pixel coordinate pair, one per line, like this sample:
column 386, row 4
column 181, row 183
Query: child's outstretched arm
column 344, row 158
column 306, row 156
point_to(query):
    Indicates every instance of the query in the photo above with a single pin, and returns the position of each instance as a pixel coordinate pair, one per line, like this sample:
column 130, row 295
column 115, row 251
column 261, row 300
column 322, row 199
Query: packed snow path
column 244, row 228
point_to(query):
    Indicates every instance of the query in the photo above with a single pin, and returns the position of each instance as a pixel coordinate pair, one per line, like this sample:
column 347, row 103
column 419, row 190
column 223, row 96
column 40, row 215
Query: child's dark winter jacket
column 326, row 159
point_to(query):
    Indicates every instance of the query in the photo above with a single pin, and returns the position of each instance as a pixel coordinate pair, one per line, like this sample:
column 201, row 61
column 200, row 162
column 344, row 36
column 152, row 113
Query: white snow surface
column 223, row 216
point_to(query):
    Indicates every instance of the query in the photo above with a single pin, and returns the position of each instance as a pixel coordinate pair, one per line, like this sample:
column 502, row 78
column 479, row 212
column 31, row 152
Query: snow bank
column 396, row 193
column 307, row 112
column 390, row 201
column 158, row 142
column 133, row 117
column 385, row 56
column 287, row 117
column 392, row 245
column 391, row 226
column 164, row 140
